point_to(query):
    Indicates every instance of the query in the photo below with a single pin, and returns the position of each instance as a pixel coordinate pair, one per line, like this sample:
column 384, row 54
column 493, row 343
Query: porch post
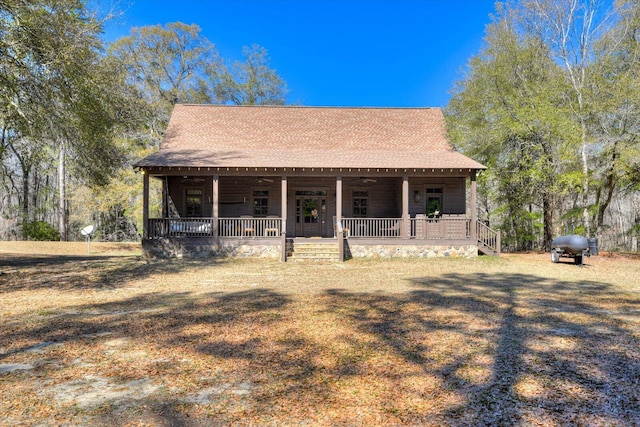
column 215, row 213
column 283, row 208
column 338, row 202
column 165, row 201
column 145, row 204
column 474, row 208
column 284, row 204
column 405, row 207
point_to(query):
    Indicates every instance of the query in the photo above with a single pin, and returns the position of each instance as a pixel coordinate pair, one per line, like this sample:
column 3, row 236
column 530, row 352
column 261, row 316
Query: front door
column 311, row 213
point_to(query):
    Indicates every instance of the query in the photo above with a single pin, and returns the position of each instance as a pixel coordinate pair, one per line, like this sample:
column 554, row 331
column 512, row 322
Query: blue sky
column 395, row 53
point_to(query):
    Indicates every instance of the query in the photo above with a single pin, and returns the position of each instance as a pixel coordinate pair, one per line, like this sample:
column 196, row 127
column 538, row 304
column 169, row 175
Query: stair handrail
column 488, row 237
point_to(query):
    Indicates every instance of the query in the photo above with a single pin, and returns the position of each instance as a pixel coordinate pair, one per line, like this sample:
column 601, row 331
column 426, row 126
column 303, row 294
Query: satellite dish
column 87, row 230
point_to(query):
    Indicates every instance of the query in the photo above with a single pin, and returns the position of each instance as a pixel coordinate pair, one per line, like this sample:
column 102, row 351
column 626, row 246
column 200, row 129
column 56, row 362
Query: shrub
column 40, row 230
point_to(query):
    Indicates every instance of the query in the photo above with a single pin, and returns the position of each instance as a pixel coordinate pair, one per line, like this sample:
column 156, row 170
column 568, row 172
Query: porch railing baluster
column 421, row 227
column 203, row 227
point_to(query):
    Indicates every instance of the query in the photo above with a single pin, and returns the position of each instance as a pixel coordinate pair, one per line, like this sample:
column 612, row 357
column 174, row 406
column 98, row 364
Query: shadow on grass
column 511, row 349
column 158, row 317
column 558, row 354
column 65, row 272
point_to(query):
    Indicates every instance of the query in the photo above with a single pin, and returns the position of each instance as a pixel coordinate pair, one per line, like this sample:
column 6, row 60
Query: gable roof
column 298, row 137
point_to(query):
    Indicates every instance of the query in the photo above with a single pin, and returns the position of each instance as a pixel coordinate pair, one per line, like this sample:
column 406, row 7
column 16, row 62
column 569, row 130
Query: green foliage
column 506, row 114
column 251, row 82
column 167, row 64
column 58, row 91
column 40, row 230
column 555, row 118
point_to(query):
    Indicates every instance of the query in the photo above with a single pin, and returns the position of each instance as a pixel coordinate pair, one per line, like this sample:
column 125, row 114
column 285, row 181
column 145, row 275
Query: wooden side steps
column 486, row 250
column 310, row 250
column 488, row 240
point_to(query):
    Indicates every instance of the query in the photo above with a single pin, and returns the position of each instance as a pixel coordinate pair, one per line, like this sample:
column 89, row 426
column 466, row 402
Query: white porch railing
column 419, row 228
column 249, row 227
column 203, row 227
column 372, row 227
column 175, row 227
column 488, row 237
column 375, row 228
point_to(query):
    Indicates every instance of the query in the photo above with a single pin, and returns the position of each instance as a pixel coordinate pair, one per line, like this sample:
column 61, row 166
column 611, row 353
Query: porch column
column 284, row 204
column 165, row 201
column 473, row 202
column 338, row 201
column 145, row 204
column 215, row 213
column 405, row 207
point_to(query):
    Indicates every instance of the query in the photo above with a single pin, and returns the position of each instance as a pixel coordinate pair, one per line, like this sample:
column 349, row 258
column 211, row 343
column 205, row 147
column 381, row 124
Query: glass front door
column 311, row 213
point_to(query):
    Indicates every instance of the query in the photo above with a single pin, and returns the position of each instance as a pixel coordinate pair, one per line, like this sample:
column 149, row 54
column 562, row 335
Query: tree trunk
column 547, row 208
column 25, row 167
column 585, row 171
column 25, row 197
column 62, row 212
column 609, row 186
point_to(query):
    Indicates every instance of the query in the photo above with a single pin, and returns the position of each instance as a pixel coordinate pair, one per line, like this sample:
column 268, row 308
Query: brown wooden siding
column 178, row 186
column 385, row 196
column 453, row 197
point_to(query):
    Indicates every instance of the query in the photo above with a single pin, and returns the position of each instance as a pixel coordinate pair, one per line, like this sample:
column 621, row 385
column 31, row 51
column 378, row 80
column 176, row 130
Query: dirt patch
column 10, row 367
column 93, row 391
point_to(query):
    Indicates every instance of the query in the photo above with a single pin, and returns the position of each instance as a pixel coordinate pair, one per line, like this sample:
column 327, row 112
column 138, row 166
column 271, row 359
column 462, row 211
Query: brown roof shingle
column 265, row 136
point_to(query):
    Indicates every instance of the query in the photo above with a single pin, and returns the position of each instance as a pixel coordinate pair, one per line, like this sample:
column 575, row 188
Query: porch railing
column 488, row 237
column 419, row 228
column 177, row 227
column 376, row 228
column 250, row 227
column 372, row 227
column 203, row 227
column 440, row 228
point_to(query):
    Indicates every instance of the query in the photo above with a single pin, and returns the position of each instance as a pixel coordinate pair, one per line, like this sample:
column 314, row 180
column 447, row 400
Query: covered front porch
column 253, row 208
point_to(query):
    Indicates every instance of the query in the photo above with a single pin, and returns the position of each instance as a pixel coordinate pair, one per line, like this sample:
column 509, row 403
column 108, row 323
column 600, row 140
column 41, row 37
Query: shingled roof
column 299, row 137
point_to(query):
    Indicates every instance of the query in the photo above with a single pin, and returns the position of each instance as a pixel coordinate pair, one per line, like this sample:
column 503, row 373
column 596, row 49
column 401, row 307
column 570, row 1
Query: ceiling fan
column 364, row 180
column 262, row 179
column 191, row 179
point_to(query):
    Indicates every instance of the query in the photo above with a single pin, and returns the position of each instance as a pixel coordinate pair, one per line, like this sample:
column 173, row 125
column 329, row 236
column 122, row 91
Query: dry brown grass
column 514, row 340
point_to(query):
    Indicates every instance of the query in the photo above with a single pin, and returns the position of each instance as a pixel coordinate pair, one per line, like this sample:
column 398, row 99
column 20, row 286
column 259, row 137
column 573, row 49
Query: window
column 360, row 203
column 194, row 202
column 260, row 203
column 434, row 202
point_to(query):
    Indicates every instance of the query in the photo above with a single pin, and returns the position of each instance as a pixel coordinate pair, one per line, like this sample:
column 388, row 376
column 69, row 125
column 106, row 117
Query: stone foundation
column 411, row 251
column 209, row 248
column 249, row 248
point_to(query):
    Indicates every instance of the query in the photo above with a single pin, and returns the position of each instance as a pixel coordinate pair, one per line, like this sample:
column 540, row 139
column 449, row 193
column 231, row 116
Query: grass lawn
column 111, row 339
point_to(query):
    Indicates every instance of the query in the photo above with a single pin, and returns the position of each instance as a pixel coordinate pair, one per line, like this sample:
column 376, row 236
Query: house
column 282, row 181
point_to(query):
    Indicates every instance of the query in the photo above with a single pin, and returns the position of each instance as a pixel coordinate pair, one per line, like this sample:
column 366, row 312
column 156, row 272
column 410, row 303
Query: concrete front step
column 323, row 249
column 312, row 257
column 314, row 252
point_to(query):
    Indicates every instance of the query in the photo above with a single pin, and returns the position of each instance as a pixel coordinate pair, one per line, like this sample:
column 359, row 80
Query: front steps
column 486, row 250
column 313, row 250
